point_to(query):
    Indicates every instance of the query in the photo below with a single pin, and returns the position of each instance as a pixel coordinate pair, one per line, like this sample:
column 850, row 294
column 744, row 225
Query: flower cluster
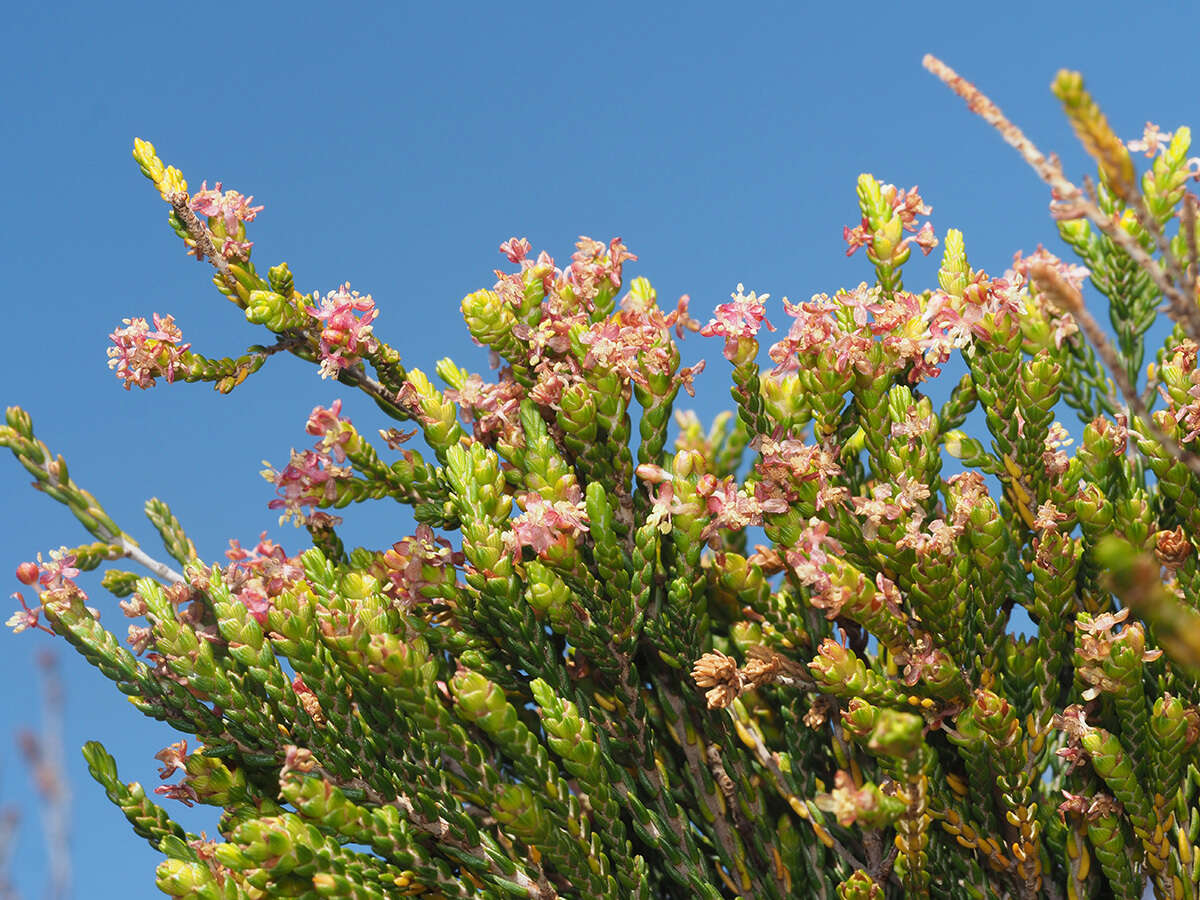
column 346, row 334
column 258, row 575
column 905, row 206
column 140, row 354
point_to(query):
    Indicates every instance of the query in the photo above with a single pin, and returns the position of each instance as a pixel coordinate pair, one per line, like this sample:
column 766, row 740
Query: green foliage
column 583, row 685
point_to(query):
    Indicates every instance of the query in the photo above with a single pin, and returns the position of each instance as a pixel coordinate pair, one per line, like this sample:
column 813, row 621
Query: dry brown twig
column 1073, row 203
column 1173, row 284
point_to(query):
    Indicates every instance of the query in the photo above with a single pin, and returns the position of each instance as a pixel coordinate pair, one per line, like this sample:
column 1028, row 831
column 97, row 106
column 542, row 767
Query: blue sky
column 395, row 146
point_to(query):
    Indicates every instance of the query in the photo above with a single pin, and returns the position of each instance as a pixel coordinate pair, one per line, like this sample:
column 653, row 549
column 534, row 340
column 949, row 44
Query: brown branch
column 1067, row 297
column 696, row 762
column 202, row 239
column 712, row 756
column 804, row 808
column 1073, row 204
column 1153, row 227
column 129, row 548
column 1187, row 224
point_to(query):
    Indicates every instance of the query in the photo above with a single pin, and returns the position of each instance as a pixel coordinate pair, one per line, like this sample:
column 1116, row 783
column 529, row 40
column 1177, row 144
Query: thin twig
column 1072, row 202
column 206, row 249
column 1066, row 296
column 712, row 756
column 368, row 385
column 198, row 232
column 1181, row 310
column 141, row 557
column 770, row 762
column 129, row 548
column 1153, row 227
column 1187, row 224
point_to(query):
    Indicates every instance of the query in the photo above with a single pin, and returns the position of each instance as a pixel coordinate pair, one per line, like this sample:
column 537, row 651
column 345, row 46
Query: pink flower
column 858, row 236
column 173, row 758
column 906, row 205
column 59, row 571
column 25, row 617
column 788, row 463
column 256, row 604
column 913, row 428
column 740, row 318
column 846, row 801
column 912, row 492
column 614, row 346
column 516, row 249
column 1152, row 141
column 1048, row 517
column 680, row 318
column 968, row 491
column 231, row 207
column 892, row 312
column 140, row 638
column 310, row 479
column 27, row 573
column 1186, row 416
column 730, row 508
column 688, row 374
column 813, row 327
column 493, row 409
column 876, row 509
column 593, row 262
column 923, row 661
column 807, row 556
column 821, row 335
column 937, row 541
column 416, row 563
column 140, row 355
column 183, row 792
column 334, row 431
column 346, row 336
column 738, row 322
column 1072, row 273
column 545, row 524
column 924, row 238
column 662, row 507
column 258, row 576
column 985, row 304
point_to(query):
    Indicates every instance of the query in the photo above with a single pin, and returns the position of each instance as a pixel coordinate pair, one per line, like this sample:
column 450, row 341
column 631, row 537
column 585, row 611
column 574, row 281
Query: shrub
column 596, row 689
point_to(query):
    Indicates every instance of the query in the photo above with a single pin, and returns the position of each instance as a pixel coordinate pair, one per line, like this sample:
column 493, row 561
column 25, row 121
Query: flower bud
column 1093, row 508
column 482, row 702
column 517, row 807
column 179, row 878
column 27, row 573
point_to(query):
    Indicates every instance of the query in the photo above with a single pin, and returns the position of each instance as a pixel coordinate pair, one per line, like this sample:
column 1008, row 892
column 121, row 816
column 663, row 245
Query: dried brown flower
column 720, row 674
column 1059, row 292
column 767, row 558
column 761, row 671
column 820, row 711
column 1172, row 547
column 1192, row 715
column 308, row 700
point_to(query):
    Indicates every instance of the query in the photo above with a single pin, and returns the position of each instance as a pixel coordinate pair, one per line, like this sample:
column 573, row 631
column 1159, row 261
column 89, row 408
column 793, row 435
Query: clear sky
column 395, row 146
